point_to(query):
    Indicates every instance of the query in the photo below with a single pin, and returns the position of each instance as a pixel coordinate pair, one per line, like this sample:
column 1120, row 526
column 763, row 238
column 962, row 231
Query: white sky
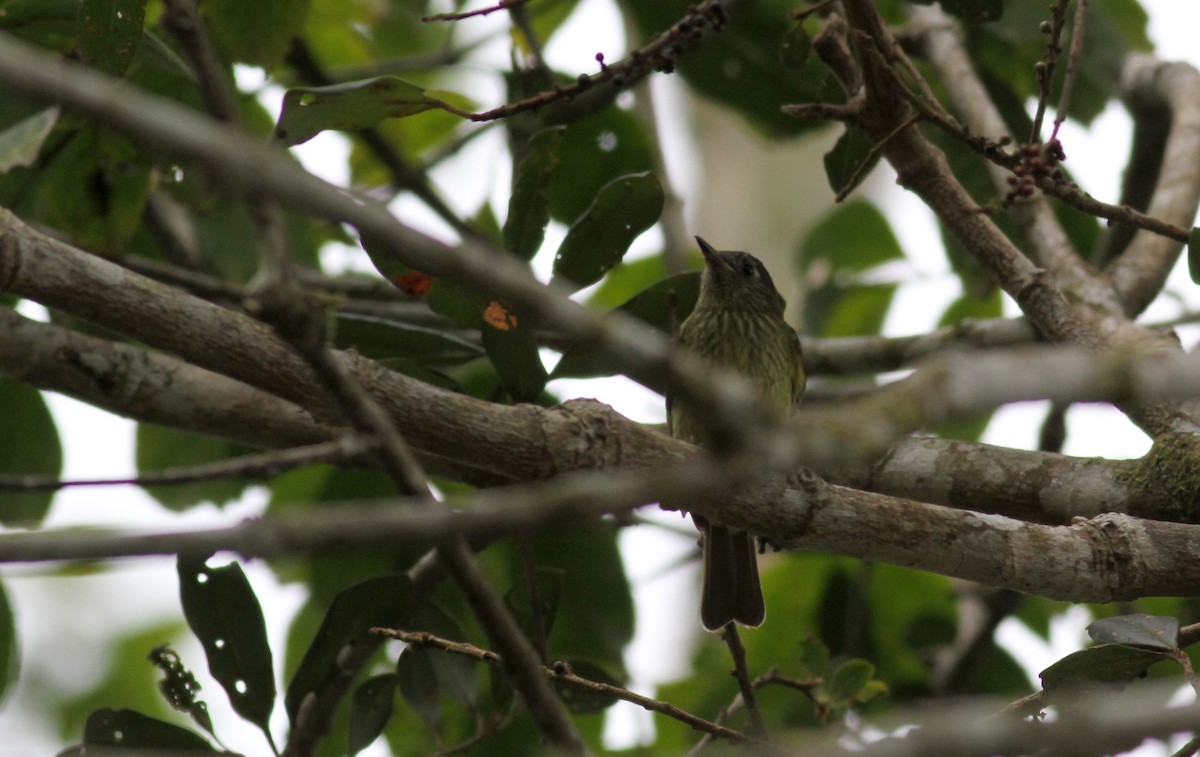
column 60, row 619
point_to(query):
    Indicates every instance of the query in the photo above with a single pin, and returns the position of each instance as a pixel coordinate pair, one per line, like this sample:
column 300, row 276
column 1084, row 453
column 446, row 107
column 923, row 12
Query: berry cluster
column 1038, row 161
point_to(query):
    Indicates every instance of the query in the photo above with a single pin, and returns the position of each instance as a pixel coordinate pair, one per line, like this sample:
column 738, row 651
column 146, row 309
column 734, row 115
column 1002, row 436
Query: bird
column 738, row 324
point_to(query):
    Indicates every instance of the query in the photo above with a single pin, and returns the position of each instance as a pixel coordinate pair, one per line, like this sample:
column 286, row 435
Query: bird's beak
column 710, row 255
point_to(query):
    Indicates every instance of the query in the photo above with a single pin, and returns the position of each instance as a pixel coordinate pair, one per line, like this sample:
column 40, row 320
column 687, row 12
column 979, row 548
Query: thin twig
column 502, row 5
column 868, row 160
column 348, row 449
column 1073, row 60
column 561, row 673
column 740, row 674
column 1045, row 67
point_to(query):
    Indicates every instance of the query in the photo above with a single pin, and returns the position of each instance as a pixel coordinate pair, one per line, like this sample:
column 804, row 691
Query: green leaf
column 160, row 448
column 415, row 139
column 21, row 142
column 223, row 612
column 626, row 280
column 419, row 683
column 671, row 299
column 381, row 339
column 1098, row 666
column 623, row 209
column 10, row 659
column 739, row 66
column 92, row 185
column 849, row 681
column 969, row 307
column 529, row 204
column 598, row 149
column 855, row 236
column 129, row 730
column 519, row 600
column 857, row 310
column 511, row 346
column 379, row 601
column 814, row 656
column 1153, row 632
column 31, row 447
column 308, row 111
column 371, row 707
column 109, row 32
column 52, row 24
column 796, row 47
column 257, row 33
column 585, row 701
column 1193, row 254
column 1008, row 49
column 850, row 161
column 850, row 241
column 546, row 17
column 457, row 675
column 594, row 619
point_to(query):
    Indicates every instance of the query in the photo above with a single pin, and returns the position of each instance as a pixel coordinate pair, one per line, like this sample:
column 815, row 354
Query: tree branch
column 1042, row 237
column 245, row 166
column 150, row 386
column 562, row 673
column 1140, row 272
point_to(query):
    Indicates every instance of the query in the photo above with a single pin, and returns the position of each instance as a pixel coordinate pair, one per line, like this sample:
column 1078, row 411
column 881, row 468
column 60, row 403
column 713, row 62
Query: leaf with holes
column 624, row 208
column 596, row 149
column 129, row 730
column 796, row 48
column 308, row 111
column 223, row 612
column 109, row 32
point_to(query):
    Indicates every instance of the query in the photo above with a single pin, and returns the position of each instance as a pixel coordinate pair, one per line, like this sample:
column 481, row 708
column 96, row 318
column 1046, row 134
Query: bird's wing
column 799, row 376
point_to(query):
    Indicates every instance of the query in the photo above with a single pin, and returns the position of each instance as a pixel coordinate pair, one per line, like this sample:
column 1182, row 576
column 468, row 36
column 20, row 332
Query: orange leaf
column 414, row 283
column 499, row 317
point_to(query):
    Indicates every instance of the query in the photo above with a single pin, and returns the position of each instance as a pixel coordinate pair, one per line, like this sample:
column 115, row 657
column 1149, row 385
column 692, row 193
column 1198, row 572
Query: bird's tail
column 731, row 591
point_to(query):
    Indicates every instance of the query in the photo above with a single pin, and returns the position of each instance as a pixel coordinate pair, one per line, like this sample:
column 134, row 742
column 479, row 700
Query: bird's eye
column 748, row 270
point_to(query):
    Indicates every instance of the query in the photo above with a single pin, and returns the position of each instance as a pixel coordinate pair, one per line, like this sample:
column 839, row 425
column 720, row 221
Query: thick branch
column 1040, row 487
column 135, row 383
column 1103, row 559
column 923, row 169
column 245, row 166
column 1062, row 306
column 1043, row 238
column 1140, row 272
